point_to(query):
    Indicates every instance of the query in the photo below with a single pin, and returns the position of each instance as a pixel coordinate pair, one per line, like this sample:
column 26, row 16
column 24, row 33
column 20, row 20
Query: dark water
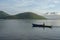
column 22, row 30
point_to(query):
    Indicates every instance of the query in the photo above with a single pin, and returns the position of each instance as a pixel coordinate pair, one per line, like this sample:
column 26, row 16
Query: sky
column 36, row 6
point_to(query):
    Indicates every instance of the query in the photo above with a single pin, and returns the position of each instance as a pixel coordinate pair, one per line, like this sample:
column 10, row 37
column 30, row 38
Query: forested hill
column 25, row 15
column 29, row 15
column 3, row 15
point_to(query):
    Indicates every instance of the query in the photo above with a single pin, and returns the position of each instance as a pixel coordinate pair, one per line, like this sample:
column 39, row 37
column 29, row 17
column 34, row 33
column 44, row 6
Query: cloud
column 16, row 6
column 55, row 1
column 51, row 6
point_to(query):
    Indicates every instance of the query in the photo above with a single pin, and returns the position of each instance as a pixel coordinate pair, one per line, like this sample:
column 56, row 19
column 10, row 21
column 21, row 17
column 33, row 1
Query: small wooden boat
column 42, row 25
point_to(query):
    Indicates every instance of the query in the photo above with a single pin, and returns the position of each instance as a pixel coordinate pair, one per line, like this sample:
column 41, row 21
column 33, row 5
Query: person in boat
column 43, row 24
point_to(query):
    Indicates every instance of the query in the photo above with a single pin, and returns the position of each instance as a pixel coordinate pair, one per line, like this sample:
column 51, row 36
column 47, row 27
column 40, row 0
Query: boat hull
column 36, row 25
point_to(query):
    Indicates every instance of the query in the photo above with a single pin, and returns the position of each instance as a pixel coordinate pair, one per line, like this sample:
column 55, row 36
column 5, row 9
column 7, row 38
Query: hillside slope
column 3, row 15
column 29, row 15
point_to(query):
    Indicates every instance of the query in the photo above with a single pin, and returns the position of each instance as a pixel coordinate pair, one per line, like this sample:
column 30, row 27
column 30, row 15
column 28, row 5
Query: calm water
column 22, row 30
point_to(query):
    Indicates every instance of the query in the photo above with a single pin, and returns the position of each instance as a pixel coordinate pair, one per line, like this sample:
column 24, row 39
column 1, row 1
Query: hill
column 3, row 15
column 29, row 15
column 25, row 15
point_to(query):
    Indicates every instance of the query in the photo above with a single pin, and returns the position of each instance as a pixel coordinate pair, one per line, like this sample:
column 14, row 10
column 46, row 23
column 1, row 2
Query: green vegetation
column 3, row 15
column 29, row 15
column 25, row 15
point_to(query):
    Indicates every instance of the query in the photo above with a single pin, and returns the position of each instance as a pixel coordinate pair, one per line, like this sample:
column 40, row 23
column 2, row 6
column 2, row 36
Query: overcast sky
column 37, row 6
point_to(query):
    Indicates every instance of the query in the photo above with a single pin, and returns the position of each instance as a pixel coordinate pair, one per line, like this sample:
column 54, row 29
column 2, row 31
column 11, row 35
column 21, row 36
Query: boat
column 41, row 25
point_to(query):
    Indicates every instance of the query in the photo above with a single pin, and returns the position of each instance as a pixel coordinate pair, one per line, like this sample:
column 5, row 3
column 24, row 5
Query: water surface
column 23, row 30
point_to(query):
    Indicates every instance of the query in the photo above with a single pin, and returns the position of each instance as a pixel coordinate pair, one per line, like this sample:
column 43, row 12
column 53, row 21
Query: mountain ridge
column 24, row 15
column 29, row 15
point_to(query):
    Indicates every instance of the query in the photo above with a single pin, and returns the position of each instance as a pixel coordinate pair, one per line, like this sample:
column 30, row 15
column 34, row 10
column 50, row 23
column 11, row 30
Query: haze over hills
column 25, row 15
column 52, row 15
